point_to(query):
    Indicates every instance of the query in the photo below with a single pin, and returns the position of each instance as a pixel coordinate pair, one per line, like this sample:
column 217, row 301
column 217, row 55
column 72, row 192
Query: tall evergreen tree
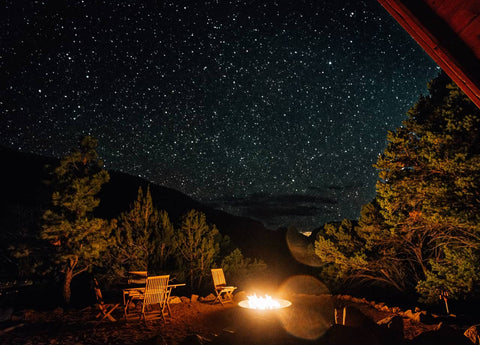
column 428, row 190
column 79, row 239
column 144, row 237
column 197, row 246
column 423, row 229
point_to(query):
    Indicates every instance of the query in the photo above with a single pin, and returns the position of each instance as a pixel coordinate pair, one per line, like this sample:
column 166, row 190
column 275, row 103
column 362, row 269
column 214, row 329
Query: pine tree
column 197, row 246
column 79, row 239
column 428, row 190
column 144, row 237
column 239, row 270
column 423, row 228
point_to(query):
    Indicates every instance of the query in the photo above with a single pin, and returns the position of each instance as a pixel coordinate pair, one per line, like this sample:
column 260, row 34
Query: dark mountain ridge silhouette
column 25, row 196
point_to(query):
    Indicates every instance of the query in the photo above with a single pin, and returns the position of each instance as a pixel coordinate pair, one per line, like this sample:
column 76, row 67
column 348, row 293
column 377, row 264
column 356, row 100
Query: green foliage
column 78, row 238
column 165, row 245
column 423, row 228
column 345, row 256
column 144, row 238
column 239, row 270
column 197, row 247
column 457, row 273
column 429, row 187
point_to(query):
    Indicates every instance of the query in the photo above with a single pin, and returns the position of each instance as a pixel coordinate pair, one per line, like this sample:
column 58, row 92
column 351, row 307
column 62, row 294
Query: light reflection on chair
column 223, row 292
column 155, row 298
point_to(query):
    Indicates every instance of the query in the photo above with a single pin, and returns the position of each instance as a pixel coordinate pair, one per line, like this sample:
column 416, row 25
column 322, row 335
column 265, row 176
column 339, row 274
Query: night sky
column 271, row 109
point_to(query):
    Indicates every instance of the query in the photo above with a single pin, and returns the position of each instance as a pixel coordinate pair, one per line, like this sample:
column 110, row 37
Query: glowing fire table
column 264, row 303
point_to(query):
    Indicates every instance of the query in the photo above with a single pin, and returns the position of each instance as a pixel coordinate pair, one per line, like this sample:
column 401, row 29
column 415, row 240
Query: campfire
column 264, row 303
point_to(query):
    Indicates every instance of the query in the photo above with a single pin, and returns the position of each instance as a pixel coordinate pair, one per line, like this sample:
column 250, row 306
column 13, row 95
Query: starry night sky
column 271, row 109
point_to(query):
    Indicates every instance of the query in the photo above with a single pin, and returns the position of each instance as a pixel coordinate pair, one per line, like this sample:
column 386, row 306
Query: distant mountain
column 25, row 195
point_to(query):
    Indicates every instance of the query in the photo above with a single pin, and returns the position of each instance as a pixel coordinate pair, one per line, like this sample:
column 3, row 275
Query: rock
column 23, row 315
column 185, row 299
column 6, row 314
column 174, row 300
column 442, row 335
column 420, row 316
column 355, row 318
column 393, row 326
column 29, row 315
column 58, row 311
column 473, row 333
column 209, row 298
column 390, row 332
column 385, row 309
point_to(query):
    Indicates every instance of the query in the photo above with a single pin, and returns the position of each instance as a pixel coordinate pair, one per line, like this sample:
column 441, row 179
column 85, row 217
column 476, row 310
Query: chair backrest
column 218, row 277
column 137, row 277
column 155, row 290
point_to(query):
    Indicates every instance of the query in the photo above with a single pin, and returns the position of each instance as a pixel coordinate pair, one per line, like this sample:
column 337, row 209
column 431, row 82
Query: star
column 221, row 100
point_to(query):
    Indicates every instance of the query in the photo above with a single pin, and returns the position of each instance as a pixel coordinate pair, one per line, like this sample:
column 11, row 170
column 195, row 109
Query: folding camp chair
column 223, row 292
column 105, row 308
column 155, row 298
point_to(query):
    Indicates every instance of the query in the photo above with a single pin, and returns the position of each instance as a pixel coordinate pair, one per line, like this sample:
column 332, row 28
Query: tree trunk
column 67, row 293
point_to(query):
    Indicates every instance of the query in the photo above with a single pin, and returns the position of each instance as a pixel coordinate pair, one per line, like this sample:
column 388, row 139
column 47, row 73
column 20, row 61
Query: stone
column 394, row 328
column 5, row 314
column 473, row 333
column 23, row 315
column 185, row 299
column 442, row 335
column 194, row 298
column 208, row 298
column 29, row 314
column 420, row 316
column 58, row 311
column 389, row 332
column 355, row 318
column 174, row 300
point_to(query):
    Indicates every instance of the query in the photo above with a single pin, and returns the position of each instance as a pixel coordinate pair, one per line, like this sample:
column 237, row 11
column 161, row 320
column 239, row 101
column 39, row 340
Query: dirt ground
column 191, row 322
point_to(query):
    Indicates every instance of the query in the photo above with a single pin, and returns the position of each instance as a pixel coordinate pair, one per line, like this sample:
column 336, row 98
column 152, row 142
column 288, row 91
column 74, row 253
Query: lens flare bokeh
column 311, row 313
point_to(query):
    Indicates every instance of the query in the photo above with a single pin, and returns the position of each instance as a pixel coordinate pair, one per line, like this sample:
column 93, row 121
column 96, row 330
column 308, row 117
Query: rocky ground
column 308, row 321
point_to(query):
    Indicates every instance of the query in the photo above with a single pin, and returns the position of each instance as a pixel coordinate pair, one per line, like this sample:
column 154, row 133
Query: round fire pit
column 264, row 303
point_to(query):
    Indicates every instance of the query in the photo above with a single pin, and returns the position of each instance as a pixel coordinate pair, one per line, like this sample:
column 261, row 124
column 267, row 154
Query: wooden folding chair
column 155, row 298
column 106, row 309
column 224, row 293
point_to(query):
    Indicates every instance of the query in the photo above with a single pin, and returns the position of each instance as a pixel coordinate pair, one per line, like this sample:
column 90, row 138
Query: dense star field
column 271, row 109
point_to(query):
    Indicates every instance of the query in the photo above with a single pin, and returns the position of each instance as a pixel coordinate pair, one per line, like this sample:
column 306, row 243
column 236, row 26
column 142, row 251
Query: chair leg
column 218, row 298
column 107, row 313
